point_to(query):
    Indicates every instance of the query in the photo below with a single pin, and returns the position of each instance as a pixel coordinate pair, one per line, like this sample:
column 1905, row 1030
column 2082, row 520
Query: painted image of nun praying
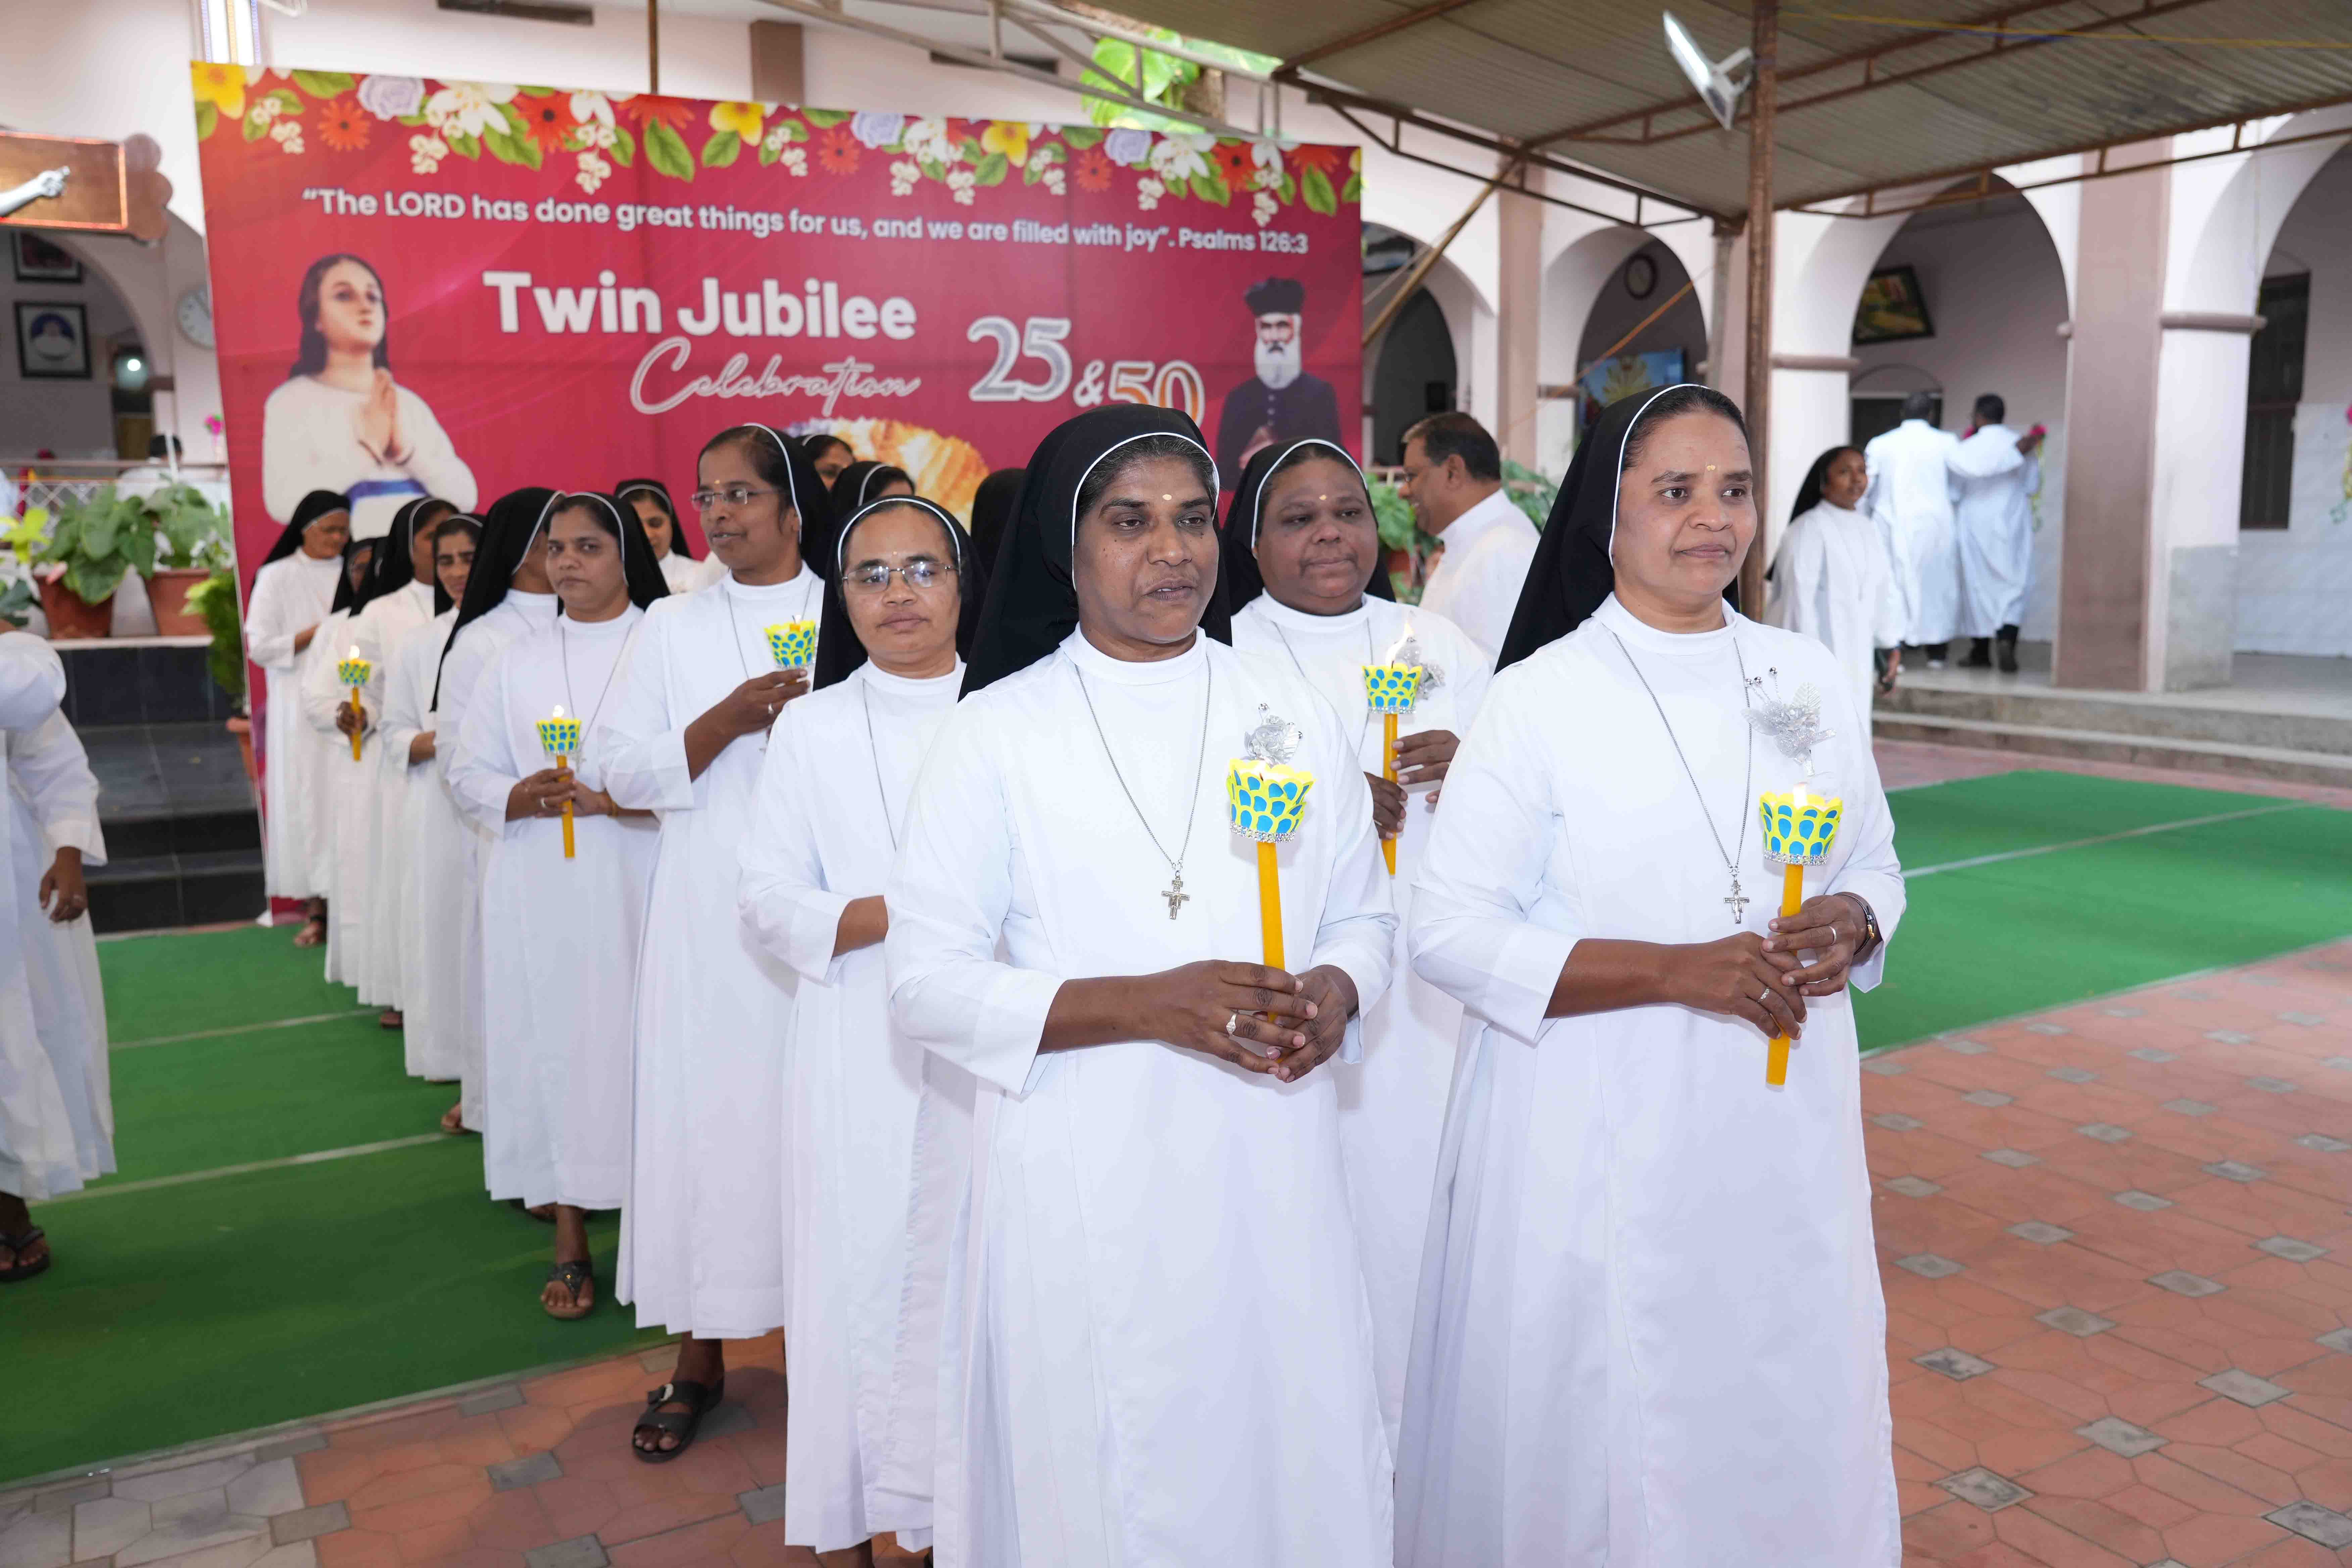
column 339, row 421
column 1281, row 404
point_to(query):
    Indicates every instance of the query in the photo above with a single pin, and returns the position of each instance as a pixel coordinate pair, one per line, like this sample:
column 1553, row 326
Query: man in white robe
column 1453, row 478
column 1301, row 543
column 1157, row 1346
column 1651, row 1333
column 1910, row 496
column 1996, row 474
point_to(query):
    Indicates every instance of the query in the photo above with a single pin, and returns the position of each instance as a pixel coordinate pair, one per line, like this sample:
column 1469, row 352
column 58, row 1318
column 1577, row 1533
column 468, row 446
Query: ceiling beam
column 1867, row 60
column 1429, row 13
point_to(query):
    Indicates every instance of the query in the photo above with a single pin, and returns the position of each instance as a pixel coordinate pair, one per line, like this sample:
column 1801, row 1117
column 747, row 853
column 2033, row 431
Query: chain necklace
column 1175, row 894
column 1363, row 729
column 889, row 823
column 563, row 651
column 1738, row 902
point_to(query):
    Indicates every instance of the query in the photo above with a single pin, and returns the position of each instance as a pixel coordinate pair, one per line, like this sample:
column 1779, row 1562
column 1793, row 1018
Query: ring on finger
column 1233, row 1024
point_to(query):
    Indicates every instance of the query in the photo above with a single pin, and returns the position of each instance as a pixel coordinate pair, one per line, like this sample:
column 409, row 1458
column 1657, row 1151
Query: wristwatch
column 1871, row 937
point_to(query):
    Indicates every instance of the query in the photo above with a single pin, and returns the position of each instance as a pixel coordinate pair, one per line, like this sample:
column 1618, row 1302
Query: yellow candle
column 1389, row 689
column 354, row 671
column 559, row 737
column 1798, row 828
column 1265, row 800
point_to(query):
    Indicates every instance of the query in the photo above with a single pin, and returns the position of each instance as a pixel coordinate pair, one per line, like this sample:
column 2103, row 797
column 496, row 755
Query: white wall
column 71, row 418
column 1997, row 296
column 2294, row 584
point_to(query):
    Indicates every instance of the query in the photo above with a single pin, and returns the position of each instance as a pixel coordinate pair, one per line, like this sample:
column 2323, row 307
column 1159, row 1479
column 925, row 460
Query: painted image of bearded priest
column 1281, row 404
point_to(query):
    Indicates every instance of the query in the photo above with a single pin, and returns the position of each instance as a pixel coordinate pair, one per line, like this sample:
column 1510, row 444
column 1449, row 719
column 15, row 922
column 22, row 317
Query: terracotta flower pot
column 168, row 590
column 72, row 618
column 242, row 728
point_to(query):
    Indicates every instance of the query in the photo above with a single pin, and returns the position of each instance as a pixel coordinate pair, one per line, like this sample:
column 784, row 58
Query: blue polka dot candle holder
column 1391, row 688
column 792, row 645
column 353, row 671
column 559, row 736
column 1265, row 800
column 1799, row 827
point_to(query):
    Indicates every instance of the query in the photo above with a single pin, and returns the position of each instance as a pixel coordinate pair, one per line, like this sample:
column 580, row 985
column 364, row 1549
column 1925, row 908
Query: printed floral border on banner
column 320, row 113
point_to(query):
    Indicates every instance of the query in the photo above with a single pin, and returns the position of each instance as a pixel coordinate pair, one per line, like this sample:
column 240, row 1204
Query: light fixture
column 1711, row 81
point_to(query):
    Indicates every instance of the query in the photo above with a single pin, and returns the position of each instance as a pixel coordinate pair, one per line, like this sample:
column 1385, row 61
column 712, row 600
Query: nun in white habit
column 1303, row 577
column 507, row 595
column 431, row 842
column 292, row 594
column 903, row 591
column 654, row 509
column 559, row 933
column 346, row 797
column 1157, row 1348
column 1651, row 1334
column 397, row 599
column 1832, row 579
column 703, row 1233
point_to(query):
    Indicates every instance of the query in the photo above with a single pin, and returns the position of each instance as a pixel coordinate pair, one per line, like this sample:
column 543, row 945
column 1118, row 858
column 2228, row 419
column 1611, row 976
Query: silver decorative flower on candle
column 1793, row 725
column 1406, row 650
column 1273, row 739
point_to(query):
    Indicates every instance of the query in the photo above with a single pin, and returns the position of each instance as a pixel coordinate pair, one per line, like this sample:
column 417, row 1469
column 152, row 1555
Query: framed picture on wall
column 39, row 262
column 52, row 341
column 1893, row 308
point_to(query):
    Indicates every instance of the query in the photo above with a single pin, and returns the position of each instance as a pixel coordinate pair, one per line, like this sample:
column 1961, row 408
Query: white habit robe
column 682, row 573
column 702, row 1233
column 482, row 640
column 1833, row 582
column 1139, row 1221
column 831, row 810
column 429, row 848
column 1393, row 1103
column 560, row 938
column 38, row 1152
column 53, row 797
column 291, row 595
column 1476, row 583
column 347, row 804
column 1910, row 498
column 310, row 441
column 1992, row 487
column 1651, row 1334
column 378, row 631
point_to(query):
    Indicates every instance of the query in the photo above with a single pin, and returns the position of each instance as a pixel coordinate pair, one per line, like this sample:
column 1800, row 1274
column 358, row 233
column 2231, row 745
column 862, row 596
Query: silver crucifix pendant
column 1176, row 896
column 1739, row 904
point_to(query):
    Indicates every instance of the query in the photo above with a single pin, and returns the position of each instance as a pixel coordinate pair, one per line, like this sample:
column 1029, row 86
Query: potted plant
column 92, row 543
column 195, row 547
column 214, row 602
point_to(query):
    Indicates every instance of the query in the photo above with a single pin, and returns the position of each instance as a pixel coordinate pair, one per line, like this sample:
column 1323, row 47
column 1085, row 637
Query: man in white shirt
column 1995, row 474
column 1910, row 495
column 1453, row 478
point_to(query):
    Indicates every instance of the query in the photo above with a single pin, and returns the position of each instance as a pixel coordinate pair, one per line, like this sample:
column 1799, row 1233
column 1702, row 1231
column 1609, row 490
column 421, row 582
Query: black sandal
column 16, row 1245
column 681, row 1423
column 572, row 1277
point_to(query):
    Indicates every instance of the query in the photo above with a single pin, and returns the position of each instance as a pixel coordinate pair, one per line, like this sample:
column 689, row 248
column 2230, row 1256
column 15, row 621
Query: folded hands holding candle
column 1260, row 1019
column 542, row 793
column 1831, row 926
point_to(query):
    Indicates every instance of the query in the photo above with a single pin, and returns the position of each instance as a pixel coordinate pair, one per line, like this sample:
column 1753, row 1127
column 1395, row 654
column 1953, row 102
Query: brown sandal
column 313, row 933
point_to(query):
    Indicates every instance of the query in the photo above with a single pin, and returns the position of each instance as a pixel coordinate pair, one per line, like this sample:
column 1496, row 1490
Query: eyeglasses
column 733, row 495
column 875, row 578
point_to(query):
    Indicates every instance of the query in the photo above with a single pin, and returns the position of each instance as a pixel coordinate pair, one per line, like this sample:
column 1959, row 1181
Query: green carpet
column 1989, row 941
column 231, row 1301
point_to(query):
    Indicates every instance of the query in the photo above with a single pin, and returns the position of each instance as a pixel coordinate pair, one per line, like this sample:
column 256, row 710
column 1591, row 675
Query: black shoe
column 2009, row 650
column 1980, row 655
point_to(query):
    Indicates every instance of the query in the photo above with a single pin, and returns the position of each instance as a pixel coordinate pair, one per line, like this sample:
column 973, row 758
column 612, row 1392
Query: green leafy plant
column 23, row 536
column 16, row 603
column 98, row 540
column 1165, row 78
column 214, row 599
column 194, row 531
column 1531, row 492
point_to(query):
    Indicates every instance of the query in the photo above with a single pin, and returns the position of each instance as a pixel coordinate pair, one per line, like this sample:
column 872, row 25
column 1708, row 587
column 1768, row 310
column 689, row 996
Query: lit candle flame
column 1798, row 793
column 558, row 710
column 355, row 650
